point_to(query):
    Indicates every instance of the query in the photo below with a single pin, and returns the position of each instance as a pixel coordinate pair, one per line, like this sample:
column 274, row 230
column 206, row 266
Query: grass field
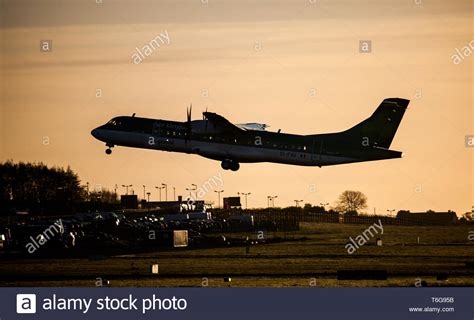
column 309, row 257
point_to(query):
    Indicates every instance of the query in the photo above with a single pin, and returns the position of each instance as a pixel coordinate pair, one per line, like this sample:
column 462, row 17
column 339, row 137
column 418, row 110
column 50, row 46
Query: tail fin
column 380, row 128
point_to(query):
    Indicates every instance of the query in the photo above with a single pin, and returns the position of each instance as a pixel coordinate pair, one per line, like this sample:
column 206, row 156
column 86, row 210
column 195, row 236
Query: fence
column 291, row 219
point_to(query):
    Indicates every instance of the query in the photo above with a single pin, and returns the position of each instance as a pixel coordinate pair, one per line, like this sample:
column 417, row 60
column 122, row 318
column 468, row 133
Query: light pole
column 159, row 188
column 218, row 197
column 126, row 186
column 245, row 195
column 273, row 200
column 87, row 190
column 390, row 211
column 148, row 202
column 144, row 191
column 194, row 187
column 174, row 193
column 297, row 202
column 115, row 192
column 164, row 185
column 323, row 205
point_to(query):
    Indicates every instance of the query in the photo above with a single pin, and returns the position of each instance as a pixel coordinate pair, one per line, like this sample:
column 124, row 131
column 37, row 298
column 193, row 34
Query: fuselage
column 245, row 146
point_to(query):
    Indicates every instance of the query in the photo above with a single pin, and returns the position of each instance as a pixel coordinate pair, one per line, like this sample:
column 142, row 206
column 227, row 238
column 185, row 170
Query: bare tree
column 351, row 202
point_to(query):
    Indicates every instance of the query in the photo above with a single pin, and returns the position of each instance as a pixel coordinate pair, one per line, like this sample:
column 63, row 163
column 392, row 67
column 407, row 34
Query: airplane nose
column 95, row 133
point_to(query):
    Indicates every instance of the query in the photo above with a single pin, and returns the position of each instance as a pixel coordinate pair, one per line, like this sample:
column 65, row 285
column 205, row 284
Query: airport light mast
column 87, row 191
column 390, row 211
column 126, row 186
column 159, row 188
column 218, row 197
column 297, row 202
column 144, row 192
column 324, row 205
column 193, row 188
column 164, row 185
column 271, row 200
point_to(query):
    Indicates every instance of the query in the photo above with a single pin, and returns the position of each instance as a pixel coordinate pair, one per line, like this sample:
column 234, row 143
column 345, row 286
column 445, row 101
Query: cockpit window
column 131, row 124
column 114, row 123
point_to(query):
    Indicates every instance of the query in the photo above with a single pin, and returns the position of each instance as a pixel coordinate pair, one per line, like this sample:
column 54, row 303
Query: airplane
column 216, row 138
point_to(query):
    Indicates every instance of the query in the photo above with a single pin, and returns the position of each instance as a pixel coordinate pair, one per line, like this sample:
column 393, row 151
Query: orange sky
column 257, row 62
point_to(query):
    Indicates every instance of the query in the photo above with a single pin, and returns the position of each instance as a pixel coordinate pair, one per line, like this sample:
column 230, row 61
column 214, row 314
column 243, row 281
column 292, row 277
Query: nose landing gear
column 229, row 164
column 109, row 148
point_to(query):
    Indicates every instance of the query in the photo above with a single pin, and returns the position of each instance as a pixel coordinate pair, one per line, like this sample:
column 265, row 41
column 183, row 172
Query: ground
column 309, row 257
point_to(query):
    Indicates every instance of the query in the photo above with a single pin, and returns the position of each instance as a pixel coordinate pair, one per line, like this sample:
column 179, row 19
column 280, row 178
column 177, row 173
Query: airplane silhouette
column 216, row 138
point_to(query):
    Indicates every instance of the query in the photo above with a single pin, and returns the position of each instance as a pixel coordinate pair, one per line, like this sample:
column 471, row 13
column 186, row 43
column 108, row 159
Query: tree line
column 41, row 189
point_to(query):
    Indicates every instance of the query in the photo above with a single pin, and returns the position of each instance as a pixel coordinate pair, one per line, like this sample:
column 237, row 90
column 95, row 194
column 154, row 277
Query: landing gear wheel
column 225, row 165
column 230, row 165
column 108, row 151
column 234, row 166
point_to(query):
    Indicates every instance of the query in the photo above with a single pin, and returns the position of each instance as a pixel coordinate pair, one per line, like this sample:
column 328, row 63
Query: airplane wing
column 252, row 126
column 221, row 123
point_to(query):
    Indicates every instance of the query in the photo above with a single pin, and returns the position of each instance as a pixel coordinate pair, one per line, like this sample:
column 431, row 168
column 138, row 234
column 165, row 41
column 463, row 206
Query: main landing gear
column 230, row 165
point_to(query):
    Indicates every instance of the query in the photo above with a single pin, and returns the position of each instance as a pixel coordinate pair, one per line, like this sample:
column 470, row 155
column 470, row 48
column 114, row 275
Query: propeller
column 188, row 123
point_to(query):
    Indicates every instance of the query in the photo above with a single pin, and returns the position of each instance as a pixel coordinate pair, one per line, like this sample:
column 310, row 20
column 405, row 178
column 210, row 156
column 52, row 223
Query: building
column 232, row 202
column 428, row 218
column 129, row 201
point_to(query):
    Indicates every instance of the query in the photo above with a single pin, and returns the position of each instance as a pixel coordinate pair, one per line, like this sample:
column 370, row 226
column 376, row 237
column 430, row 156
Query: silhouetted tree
column 350, row 202
column 36, row 187
column 313, row 209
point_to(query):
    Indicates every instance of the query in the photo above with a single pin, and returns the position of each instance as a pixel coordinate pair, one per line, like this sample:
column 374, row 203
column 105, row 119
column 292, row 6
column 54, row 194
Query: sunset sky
column 293, row 65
